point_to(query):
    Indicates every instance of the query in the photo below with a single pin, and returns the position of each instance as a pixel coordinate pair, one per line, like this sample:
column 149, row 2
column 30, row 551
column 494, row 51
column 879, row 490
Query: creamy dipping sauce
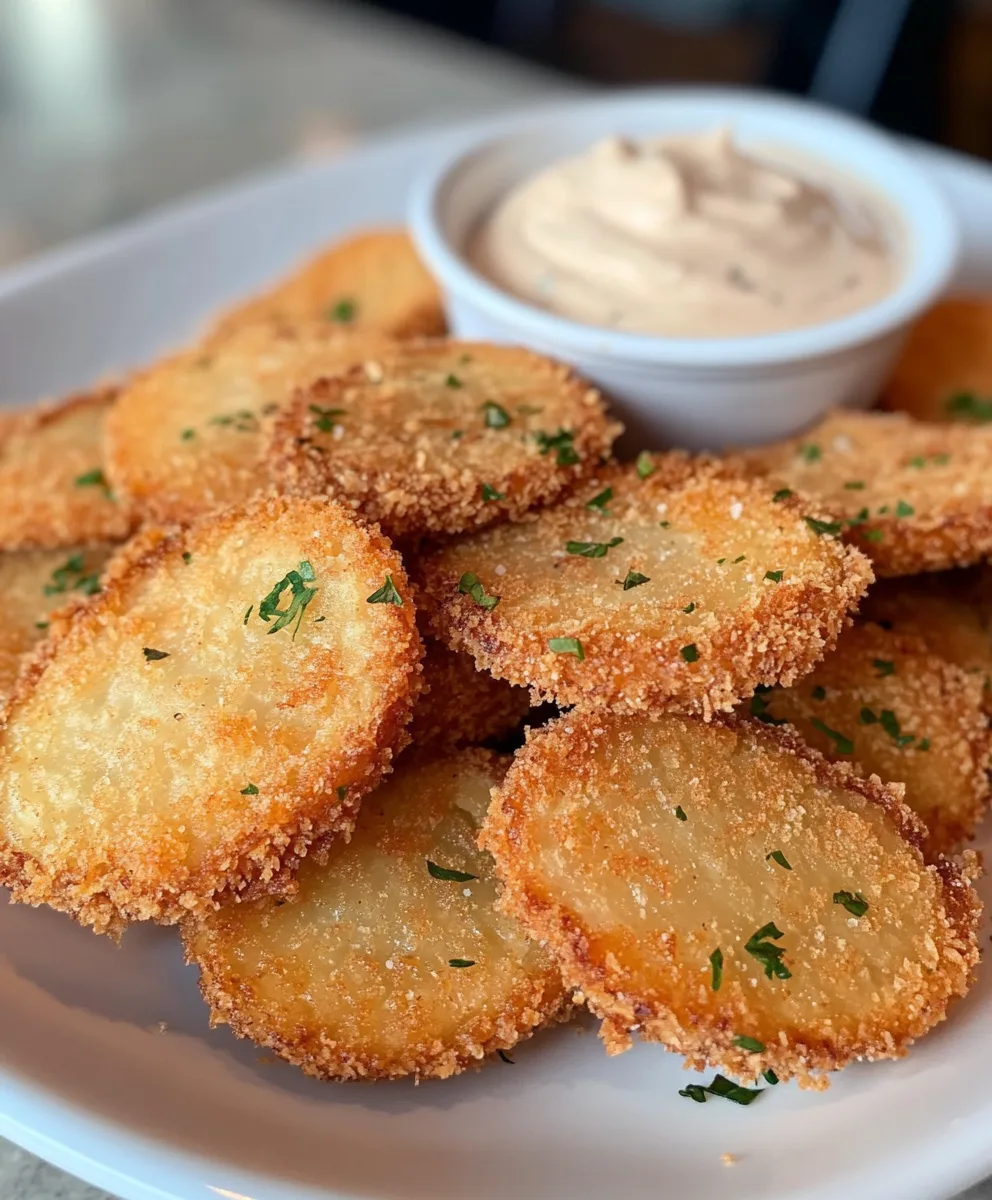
column 686, row 237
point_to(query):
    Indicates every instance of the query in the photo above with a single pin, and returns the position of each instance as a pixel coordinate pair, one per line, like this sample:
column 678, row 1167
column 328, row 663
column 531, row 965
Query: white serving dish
column 695, row 392
column 88, row 1080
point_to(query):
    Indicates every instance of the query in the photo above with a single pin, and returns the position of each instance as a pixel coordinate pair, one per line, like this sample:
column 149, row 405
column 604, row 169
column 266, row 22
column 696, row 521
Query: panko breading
column 679, row 591
column 372, row 282
column 53, row 490
column 392, row 959
column 461, row 705
column 883, row 702
column 915, row 497
column 708, row 885
column 186, row 436
column 945, row 370
column 32, row 584
column 950, row 610
column 227, row 698
column 440, row 437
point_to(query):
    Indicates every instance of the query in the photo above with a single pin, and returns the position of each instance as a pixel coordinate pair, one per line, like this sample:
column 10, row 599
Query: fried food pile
column 353, row 651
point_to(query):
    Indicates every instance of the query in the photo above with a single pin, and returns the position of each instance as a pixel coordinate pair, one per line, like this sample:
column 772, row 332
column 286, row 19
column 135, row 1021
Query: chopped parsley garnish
column 592, row 549
column 782, row 494
column 461, row 962
column 567, row 645
column 247, row 614
column 858, row 519
column 505, row 1057
column 873, row 535
column 843, row 744
column 725, row 1088
column 689, row 653
column 819, row 692
column 822, row 527
column 680, row 813
column 883, row 666
column 739, row 558
column 694, row 1091
column 342, row 790
column 598, row 503
column 453, row 381
column 923, row 744
column 759, row 709
column 779, row 857
column 664, row 524
column 645, row 465
column 250, row 790
column 890, row 723
column 447, row 873
column 810, row 452
column 690, row 607
column 904, row 510
column 300, row 597
column 769, row 1076
column 494, row 415
column 633, row 579
column 343, row 311
column 867, row 717
column 752, row 1045
column 471, row 585
column 187, row 435
column 855, row 485
column 41, row 625
column 457, row 434
column 967, row 404
column 768, row 954
column 325, row 421
column 387, row 594
column 561, row 442
column 716, row 962
column 72, row 576
column 94, row 478
column 854, row 902
column 489, row 493
column 720, row 562
column 154, row 655
column 187, row 557
column 242, row 421
column 774, row 576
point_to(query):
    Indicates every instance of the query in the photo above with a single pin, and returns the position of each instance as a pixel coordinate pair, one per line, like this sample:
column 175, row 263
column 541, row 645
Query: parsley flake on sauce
column 592, row 549
column 767, row 953
column 779, row 857
column 633, row 579
column 854, row 902
column 300, row 596
column 387, row 594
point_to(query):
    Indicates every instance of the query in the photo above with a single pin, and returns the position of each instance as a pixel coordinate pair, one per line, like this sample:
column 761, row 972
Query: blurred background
column 111, row 107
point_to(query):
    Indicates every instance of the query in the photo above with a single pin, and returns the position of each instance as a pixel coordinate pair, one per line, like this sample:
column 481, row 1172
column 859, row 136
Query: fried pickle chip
column 945, row 370
column 883, row 702
column 672, row 585
column 461, row 705
column 722, row 889
column 439, row 437
column 53, row 490
column 227, row 698
column 950, row 610
column 915, row 497
column 32, row 584
column 186, row 436
column 392, row 959
column 372, row 282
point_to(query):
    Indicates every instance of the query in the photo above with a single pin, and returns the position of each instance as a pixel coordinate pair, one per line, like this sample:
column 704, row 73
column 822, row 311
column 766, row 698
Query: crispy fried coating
column 227, row 698
column 32, row 584
column 881, row 701
column 913, row 496
column 53, row 490
column 372, row 282
column 186, row 436
column 461, row 705
column 680, row 591
column 945, row 370
column 440, row 437
column 378, row 968
column 648, row 857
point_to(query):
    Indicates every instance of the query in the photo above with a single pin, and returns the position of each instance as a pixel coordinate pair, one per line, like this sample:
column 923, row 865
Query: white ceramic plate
column 107, row 1067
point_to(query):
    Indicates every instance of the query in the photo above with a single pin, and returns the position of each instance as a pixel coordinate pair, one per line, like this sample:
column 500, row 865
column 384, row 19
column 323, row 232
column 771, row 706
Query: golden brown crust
column 945, row 370
column 344, row 997
column 913, row 496
column 440, row 437
column 187, row 436
column 134, row 807
column 634, row 898
column 907, row 716
column 371, row 282
column 52, row 490
column 711, row 622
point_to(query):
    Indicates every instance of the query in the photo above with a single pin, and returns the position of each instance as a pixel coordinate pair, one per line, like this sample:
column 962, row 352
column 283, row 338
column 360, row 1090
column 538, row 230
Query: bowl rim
column 926, row 216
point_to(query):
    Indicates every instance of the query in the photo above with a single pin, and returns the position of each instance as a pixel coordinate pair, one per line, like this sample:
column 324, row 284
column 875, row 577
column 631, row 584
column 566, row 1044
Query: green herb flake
column 633, row 579
column 750, row 1044
column 567, row 645
column 855, row 485
column 680, row 813
column 72, row 576
column 154, row 655
column 342, row 790
column 449, row 874
column 300, row 596
column 452, row 381
column 867, row 717
column 919, row 462
column 94, row 478
column 774, row 576
column 923, row 744
column 494, row 416
column 819, row 692
column 461, row 962
column 781, row 494
column 187, row 435
column 716, row 963
column 810, row 452
column 759, row 709
column 890, row 723
column 187, row 557
column 645, row 465
column 842, row 744
column 247, row 614
column 779, row 857
column 489, row 493
column 250, row 790
column 969, row 406
column 457, row 434
column 720, row 562
column 689, row 653
column 505, row 1057
column 342, row 311
column 664, row 524
column 904, row 510
column 694, row 1091
column 726, row 1089
column 883, row 666
column 561, row 443
column 822, row 527
column 873, row 535
column 854, row 902
column 769, row 1077
column 738, row 559
column 471, row 585
column 769, row 955
column 690, row 607
column 325, row 421
column 43, row 625
column 387, row 594
column 599, row 502
column 592, row 549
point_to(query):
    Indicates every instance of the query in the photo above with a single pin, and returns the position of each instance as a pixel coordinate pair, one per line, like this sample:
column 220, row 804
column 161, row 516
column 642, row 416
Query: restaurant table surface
column 110, row 108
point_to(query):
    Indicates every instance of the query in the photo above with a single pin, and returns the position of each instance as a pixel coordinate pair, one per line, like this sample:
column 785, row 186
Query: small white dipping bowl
column 694, row 392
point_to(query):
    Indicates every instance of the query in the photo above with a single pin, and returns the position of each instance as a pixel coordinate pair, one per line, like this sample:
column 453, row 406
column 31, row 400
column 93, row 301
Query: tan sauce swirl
column 686, row 237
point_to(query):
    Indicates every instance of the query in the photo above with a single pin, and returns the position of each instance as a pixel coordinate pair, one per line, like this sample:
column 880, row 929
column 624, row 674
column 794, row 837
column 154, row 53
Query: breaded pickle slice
column 671, row 585
column 392, row 959
column 722, row 889
column 227, row 698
